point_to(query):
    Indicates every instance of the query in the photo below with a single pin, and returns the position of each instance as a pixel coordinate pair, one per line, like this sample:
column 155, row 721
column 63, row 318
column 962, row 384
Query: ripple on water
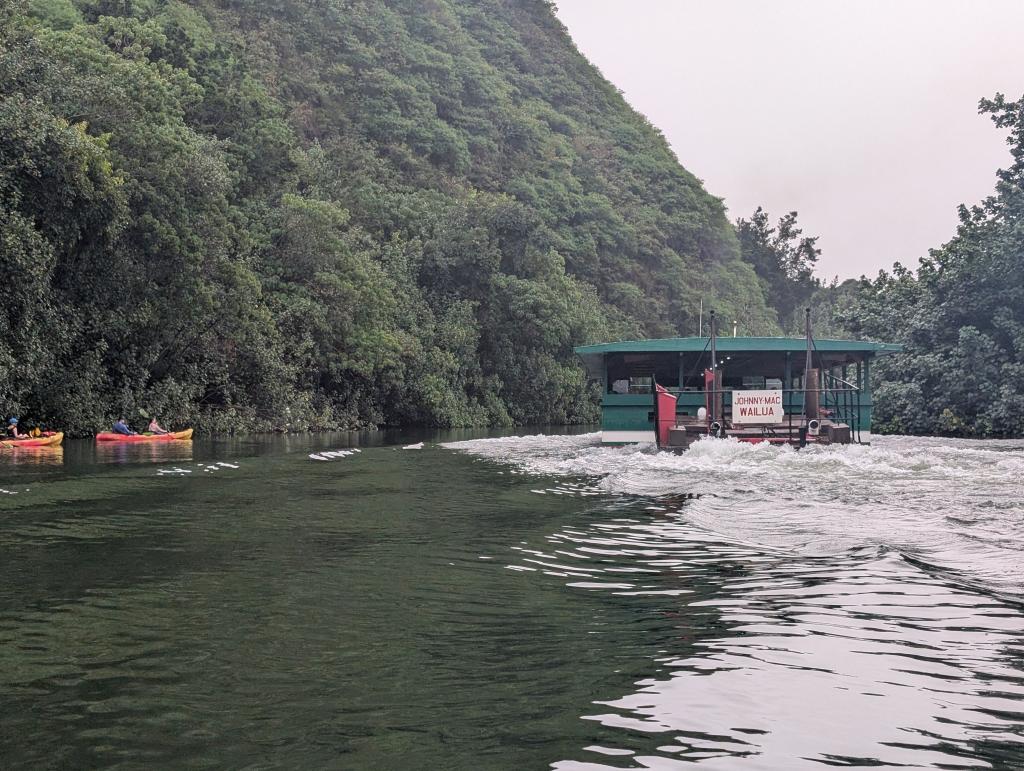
column 924, row 498
column 823, row 604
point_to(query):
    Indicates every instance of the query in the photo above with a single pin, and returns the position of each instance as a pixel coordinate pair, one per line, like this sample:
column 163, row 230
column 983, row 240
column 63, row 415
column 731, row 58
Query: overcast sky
column 862, row 116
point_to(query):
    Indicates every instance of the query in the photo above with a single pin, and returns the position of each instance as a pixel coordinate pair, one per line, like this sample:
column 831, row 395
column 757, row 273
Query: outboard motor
column 813, row 427
column 717, row 430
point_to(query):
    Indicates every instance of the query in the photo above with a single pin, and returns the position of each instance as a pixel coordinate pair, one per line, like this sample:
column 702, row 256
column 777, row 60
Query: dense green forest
column 270, row 214
column 277, row 214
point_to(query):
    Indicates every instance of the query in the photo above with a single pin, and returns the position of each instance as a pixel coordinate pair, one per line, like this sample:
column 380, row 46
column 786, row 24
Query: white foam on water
column 330, row 455
column 954, row 504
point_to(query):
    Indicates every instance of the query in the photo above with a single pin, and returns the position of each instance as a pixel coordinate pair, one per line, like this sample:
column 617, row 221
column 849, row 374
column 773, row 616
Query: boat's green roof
column 730, row 344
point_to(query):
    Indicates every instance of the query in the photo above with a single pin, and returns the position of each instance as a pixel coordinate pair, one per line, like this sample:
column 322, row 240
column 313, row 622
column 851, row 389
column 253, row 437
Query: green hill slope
column 258, row 214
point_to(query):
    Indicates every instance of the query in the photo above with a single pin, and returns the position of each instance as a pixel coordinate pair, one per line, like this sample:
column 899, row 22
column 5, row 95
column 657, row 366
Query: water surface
column 516, row 602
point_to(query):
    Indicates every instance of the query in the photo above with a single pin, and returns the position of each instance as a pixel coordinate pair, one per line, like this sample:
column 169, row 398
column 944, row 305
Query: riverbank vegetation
column 251, row 215
column 245, row 215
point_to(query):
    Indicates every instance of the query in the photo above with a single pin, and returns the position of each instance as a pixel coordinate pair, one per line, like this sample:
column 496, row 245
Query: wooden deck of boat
column 788, row 432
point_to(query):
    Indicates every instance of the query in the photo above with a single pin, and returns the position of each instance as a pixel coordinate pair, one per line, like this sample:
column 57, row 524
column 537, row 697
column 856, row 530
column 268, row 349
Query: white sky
column 860, row 115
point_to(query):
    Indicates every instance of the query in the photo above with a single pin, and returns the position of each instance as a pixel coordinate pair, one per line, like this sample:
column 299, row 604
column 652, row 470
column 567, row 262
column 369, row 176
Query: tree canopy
column 255, row 214
column 784, row 259
column 244, row 214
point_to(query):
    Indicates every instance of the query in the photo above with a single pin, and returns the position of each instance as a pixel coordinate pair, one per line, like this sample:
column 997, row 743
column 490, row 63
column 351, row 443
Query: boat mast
column 714, row 372
column 808, row 364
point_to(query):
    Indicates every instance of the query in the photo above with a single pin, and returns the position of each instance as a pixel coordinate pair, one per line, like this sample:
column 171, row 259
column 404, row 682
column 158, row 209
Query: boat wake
column 945, row 505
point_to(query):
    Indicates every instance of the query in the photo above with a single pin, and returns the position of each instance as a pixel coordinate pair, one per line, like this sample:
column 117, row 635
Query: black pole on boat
column 713, row 403
column 808, row 367
column 657, row 417
column 808, row 364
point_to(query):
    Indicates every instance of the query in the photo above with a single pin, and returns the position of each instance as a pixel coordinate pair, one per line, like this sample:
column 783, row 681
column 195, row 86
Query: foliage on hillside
column 271, row 213
column 960, row 316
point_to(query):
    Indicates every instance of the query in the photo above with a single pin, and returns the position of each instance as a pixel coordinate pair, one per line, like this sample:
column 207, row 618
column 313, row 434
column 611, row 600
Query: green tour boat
column 757, row 389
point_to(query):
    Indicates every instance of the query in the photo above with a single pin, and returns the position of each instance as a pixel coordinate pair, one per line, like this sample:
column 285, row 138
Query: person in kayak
column 156, row 428
column 120, row 427
column 12, row 429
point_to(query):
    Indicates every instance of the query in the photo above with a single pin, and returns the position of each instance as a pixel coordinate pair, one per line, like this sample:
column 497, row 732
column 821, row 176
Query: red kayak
column 108, row 436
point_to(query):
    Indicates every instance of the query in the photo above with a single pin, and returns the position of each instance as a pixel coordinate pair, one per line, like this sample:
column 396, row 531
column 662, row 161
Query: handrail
column 844, row 382
column 742, row 390
column 844, row 402
column 848, row 387
column 850, row 411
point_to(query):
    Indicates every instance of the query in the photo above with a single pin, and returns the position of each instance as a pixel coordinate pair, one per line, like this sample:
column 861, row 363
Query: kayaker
column 120, row 427
column 12, row 429
column 156, row 428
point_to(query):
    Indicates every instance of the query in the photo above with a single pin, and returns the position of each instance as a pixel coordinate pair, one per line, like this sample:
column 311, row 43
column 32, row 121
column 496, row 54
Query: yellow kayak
column 53, row 440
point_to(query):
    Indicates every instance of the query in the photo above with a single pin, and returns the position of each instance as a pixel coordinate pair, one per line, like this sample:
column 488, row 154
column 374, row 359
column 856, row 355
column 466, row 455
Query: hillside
column 251, row 214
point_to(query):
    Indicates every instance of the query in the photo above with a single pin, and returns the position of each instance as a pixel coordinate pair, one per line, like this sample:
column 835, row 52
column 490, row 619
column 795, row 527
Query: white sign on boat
column 757, row 406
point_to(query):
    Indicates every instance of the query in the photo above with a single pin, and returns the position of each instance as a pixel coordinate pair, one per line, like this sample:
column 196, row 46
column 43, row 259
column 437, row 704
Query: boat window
column 640, row 385
column 632, row 373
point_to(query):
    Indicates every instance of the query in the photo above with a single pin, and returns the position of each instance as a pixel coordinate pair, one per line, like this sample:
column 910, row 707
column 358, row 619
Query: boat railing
column 845, row 401
column 838, row 399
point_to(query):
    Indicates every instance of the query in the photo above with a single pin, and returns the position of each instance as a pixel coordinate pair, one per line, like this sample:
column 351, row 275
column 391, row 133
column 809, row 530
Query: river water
column 510, row 603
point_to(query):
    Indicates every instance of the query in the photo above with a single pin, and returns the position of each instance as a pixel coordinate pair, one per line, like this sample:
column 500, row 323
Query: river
column 511, row 602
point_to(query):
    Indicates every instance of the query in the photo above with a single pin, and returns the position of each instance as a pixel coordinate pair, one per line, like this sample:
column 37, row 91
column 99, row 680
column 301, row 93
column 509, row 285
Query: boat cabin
column 776, row 389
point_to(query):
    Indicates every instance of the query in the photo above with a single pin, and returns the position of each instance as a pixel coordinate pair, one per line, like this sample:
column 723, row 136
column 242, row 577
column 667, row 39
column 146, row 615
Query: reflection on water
column 33, row 456
column 143, row 452
column 812, row 608
column 519, row 603
column 856, row 660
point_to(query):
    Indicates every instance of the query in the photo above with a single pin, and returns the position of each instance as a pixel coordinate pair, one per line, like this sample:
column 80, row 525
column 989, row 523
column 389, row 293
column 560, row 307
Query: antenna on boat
column 700, row 319
column 807, row 359
column 713, row 402
column 809, row 372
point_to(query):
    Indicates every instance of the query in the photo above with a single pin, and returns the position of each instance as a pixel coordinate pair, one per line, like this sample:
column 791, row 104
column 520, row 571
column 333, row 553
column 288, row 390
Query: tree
column 784, row 259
